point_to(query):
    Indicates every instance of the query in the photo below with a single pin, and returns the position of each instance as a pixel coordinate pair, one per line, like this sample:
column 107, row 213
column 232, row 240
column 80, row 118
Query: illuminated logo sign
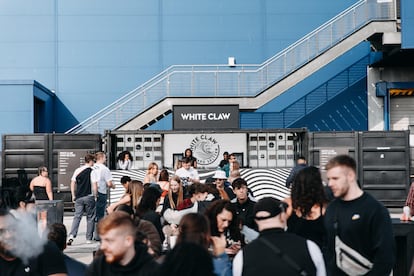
column 205, row 117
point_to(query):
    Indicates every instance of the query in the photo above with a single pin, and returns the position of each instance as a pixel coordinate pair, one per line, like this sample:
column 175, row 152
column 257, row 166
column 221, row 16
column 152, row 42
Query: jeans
column 100, row 211
column 84, row 204
column 100, row 206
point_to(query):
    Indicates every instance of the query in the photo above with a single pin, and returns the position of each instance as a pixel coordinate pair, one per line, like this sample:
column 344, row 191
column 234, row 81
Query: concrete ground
column 83, row 252
column 79, row 250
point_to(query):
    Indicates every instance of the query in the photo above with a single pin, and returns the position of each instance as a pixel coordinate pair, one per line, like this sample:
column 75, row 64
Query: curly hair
column 121, row 156
column 308, row 190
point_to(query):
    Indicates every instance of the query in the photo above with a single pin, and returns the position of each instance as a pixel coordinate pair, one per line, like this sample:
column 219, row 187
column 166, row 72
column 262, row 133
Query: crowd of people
column 179, row 225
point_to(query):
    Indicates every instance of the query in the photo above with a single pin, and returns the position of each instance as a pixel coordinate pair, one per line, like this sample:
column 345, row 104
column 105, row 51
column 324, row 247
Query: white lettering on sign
column 194, row 116
column 205, row 116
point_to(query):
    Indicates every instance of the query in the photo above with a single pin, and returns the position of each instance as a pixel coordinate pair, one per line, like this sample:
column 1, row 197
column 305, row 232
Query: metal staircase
column 249, row 86
column 292, row 116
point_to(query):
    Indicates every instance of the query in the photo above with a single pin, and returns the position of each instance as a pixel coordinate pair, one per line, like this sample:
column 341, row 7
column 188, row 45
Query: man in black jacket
column 122, row 255
column 276, row 252
column 243, row 204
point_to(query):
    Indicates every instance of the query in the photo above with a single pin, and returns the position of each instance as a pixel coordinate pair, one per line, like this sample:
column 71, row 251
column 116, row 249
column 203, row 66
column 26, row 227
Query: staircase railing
column 309, row 102
column 239, row 81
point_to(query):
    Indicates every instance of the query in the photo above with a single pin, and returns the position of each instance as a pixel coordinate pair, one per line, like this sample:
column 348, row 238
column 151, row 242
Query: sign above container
column 206, row 117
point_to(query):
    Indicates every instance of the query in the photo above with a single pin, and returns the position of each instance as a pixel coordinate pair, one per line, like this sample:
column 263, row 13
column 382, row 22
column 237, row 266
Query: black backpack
column 83, row 183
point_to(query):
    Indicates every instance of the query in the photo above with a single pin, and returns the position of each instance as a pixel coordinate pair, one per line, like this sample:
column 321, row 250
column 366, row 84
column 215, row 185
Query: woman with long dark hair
column 224, row 223
column 307, row 206
column 147, row 206
column 188, row 153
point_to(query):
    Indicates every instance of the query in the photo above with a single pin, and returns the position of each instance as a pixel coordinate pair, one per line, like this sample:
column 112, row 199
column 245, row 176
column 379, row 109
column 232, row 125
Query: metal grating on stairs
column 309, row 102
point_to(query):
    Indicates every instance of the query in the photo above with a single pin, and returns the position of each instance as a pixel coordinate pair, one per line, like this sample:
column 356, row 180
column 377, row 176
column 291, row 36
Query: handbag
column 348, row 259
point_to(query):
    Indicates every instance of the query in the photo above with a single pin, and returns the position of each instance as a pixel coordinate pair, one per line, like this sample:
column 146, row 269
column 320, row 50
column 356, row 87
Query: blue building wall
column 299, row 90
column 90, row 53
column 407, row 24
column 17, row 107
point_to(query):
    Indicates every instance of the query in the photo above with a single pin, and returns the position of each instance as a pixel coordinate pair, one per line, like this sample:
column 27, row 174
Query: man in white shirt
column 188, row 174
column 102, row 180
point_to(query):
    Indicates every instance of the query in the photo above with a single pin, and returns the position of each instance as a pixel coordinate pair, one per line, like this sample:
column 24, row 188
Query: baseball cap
column 220, row 175
column 271, row 205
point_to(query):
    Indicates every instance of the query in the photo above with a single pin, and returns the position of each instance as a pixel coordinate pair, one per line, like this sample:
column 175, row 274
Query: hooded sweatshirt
column 141, row 265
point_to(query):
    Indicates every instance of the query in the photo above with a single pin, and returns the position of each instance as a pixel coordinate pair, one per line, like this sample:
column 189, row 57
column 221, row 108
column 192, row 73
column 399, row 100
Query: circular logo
column 205, row 148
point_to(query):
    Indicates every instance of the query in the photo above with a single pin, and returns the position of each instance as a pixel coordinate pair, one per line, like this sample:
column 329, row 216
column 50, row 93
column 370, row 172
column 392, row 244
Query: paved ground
column 84, row 252
column 79, row 249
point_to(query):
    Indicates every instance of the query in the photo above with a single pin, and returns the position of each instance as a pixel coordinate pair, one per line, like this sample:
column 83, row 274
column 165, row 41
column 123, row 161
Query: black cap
column 271, row 205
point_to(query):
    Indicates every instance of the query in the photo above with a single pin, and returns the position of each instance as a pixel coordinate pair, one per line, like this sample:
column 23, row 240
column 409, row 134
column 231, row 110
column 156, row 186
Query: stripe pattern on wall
column 262, row 182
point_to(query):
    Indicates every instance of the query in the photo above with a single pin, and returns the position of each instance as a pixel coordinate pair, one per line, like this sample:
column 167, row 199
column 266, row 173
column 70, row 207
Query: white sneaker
column 89, row 241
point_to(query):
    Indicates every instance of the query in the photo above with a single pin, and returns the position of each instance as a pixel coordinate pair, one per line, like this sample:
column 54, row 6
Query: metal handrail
column 314, row 99
column 242, row 80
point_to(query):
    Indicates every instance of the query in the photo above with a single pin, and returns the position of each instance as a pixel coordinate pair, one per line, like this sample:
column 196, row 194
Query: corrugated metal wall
column 383, row 160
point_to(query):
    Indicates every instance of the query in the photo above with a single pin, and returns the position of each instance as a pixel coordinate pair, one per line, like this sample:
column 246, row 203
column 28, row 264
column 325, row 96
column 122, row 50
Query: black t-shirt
column 50, row 261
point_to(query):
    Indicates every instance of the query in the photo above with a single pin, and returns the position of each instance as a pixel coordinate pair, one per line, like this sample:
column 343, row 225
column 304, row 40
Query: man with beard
column 26, row 255
column 357, row 225
column 122, row 254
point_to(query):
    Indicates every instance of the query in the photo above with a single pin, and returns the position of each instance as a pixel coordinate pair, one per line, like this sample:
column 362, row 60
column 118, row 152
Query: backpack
column 83, row 183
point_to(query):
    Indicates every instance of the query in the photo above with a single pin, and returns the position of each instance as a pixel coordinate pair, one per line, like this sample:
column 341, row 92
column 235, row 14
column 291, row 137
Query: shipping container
column 270, row 148
column 61, row 153
column 383, row 160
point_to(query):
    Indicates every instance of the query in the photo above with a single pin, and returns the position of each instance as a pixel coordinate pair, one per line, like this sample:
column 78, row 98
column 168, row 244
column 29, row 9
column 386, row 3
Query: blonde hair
column 135, row 190
column 150, row 166
column 99, row 155
column 180, row 197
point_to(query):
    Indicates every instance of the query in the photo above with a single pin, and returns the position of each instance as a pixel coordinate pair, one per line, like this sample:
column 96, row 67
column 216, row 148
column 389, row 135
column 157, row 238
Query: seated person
column 197, row 192
column 188, row 174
